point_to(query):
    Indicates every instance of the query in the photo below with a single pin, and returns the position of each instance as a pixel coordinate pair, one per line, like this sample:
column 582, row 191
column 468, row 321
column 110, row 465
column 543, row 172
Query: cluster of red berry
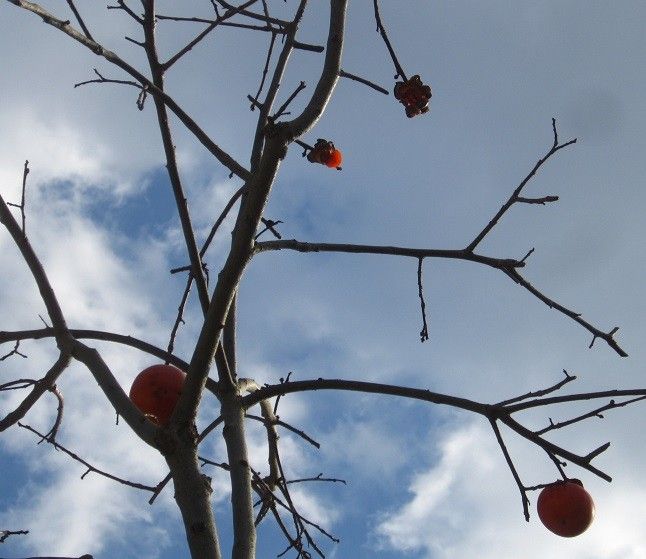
column 414, row 95
column 325, row 153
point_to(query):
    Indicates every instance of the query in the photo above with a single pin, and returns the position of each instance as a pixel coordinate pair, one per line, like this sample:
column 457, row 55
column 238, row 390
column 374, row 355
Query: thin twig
column 597, row 412
column 515, row 196
column 179, row 319
column 166, row 65
column 78, row 17
column 90, row 467
column 538, row 393
column 14, row 351
column 265, row 69
column 281, row 110
column 319, row 477
column 4, row 534
column 382, row 31
column 364, row 81
column 512, row 468
column 287, row 426
column 21, row 206
column 121, row 5
column 424, row 332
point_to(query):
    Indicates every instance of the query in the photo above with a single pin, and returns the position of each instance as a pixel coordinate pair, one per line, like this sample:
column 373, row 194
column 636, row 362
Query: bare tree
column 212, row 366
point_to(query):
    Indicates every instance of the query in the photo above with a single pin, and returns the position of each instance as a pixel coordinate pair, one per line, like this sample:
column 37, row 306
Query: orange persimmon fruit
column 565, row 508
column 156, row 390
column 334, row 159
column 325, row 153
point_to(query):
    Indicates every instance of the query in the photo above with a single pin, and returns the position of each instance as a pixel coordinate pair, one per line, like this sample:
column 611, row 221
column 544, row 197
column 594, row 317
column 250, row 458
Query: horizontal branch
column 102, row 335
column 508, row 266
column 269, row 391
column 457, row 254
column 105, row 336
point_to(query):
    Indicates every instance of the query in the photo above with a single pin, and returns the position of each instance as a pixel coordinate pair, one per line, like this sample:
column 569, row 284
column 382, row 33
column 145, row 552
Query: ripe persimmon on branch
column 163, row 415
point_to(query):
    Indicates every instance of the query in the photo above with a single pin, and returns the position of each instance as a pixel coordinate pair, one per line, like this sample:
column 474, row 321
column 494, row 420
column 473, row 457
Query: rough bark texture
column 192, row 494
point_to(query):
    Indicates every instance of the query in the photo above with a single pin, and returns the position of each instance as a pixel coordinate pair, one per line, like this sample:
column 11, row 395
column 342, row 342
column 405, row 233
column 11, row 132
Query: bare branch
column 90, row 467
column 265, row 69
column 221, row 219
column 102, row 79
column 596, row 333
column 39, row 388
column 582, row 461
column 424, row 332
column 382, row 31
column 506, row 265
column 597, row 412
column 230, row 13
column 289, row 427
column 272, row 91
column 281, row 111
column 458, row 254
column 329, row 75
column 537, row 393
column 252, row 15
column 180, row 313
column 512, row 468
column 542, row 201
column 515, row 196
column 290, row 387
column 14, row 351
column 521, row 406
column 78, row 17
column 353, row 77
column 121, row 5
column 4, row 534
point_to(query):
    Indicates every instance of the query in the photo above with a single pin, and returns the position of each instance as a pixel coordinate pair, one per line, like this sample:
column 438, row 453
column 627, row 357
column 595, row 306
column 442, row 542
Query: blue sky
column 423, row 482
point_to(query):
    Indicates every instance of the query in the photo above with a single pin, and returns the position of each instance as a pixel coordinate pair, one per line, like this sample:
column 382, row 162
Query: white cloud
column 467, row 505
column 59, row 150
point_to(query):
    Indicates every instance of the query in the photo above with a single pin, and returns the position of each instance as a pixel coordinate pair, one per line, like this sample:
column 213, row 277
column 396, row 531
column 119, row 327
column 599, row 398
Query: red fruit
column 565, row 508
column 156, row 391
column 334, row 159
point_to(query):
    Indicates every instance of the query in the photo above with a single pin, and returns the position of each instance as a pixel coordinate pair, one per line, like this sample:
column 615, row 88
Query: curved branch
column 272, row 91
column 290, row 387
column 329, row 76
column 102, row 335
column 39, row 388
column 493, row 413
